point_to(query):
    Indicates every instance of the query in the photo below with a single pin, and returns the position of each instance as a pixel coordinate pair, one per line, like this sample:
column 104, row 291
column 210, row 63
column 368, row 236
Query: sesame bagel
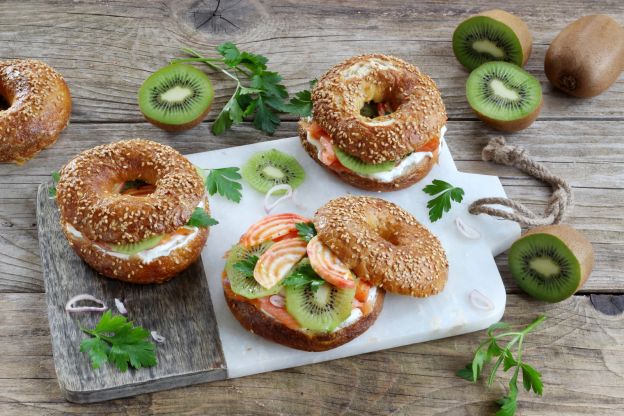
column 143, row 237
column 413, row 174
column 251, row 316
column 38, row 108
column 384, row 244
column 404, row 133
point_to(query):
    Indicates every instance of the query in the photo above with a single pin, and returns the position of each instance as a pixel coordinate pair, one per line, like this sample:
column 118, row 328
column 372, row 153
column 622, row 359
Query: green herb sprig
column 304, row 275
column 490, row 349
column 56, row 177
column 200, row 218
column 114, row 339
column 442, row 203
column 258, row 93
column 306, row 230
column 224, row 181
column 247, row 266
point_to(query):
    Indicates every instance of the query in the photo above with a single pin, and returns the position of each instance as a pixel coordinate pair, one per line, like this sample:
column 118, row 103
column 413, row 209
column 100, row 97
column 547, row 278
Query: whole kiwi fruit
column 586, row 57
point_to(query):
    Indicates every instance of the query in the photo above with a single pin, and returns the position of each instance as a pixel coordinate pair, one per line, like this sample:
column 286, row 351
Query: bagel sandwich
column 377, row 122
column 304, row 284
column 134, row 210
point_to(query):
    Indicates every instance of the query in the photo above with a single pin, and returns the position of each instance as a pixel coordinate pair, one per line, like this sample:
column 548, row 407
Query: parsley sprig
column 56, row 177
column 247, row 266
column 258, row 93
column 490, row 348
column 442, row 203
column 200, row 218
column 224, row 181
column 306, row 230
column 114, row 339
column 302, row 275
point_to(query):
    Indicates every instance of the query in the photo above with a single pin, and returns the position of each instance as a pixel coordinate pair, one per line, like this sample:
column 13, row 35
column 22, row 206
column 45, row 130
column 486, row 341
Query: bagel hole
column 389, row 236
column 136, row 187
column 374, row 109
column 4, row 103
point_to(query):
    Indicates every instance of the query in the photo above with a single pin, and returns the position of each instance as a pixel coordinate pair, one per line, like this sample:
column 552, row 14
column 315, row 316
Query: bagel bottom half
column 415, row 174
column 133, row 270
column 259, row 323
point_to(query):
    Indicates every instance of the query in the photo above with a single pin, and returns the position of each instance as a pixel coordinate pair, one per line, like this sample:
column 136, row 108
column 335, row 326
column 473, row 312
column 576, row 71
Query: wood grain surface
column 105, row 49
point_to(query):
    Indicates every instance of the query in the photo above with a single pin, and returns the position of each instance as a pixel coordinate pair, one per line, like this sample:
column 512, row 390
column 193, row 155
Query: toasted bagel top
column 341, row 92
column 87, row 200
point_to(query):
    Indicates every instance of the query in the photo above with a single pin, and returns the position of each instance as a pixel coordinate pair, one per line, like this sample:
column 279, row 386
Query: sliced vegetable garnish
column 277, row 261
column 271, row 228
column 328, row 266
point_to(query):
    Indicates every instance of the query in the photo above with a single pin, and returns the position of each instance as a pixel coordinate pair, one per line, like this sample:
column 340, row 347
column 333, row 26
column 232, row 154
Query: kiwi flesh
column 504, row 95
column 494, row 35
column 322, row 310
column 587, row 57
column 551, row 263
column 176, row 97
column 242, row 284
column 266, row 169
column 135, row 248
column 356, row 165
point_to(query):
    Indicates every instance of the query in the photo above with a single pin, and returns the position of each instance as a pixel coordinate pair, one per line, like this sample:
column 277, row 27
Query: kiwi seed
column 552, row 262
column 504, row 95
column 176, row 97
column 266, row 169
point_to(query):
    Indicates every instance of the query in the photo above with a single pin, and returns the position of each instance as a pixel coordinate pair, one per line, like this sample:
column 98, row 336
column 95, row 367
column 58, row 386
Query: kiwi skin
column 518, row 26
column 578, row 244
column 586, row 57
column 513, row 125
column 179, row 127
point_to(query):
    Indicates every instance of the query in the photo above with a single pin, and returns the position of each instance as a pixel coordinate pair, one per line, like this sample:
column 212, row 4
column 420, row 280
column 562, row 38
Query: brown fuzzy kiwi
column 518, row 26
column 586, row 57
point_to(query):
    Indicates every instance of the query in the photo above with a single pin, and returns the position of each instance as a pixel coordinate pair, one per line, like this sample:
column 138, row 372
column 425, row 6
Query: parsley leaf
column 442, row 203
column 304, row 275
column 200, row 218
column 224, row 182
column 114, row 339
column 56, row 177
column 306, row 230
column 300, row 105
column 247, row 265
column 489, row 349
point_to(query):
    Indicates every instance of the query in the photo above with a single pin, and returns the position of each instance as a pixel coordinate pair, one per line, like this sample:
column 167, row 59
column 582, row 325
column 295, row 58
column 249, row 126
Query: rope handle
column 560, row 202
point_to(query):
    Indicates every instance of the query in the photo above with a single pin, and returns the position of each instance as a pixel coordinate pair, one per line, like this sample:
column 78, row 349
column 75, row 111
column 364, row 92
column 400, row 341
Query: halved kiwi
column 504, row 95
column 493, row 35
column 356, row 165
column 135, row 248
column 176, row 97
column 551, row 263
column 241, row 283
column 321, row 310
column 266, row 169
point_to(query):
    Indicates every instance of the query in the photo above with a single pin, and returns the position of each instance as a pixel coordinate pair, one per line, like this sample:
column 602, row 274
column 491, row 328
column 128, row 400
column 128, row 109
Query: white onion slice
column 157, row 337
column 268, row 207
column 277, row 301
column 121, row 307
column 70, row 306
column 466, row 230
column 480, row 301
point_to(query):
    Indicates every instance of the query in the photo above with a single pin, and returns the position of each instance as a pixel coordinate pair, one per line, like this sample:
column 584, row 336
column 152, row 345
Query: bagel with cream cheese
column 38, row 108
column 125, row 209
column 317, row 284
column 392, row 145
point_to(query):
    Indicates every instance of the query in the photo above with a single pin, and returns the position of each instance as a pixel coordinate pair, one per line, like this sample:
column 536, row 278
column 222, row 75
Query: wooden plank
column 578, row 350
column 191, row 353
column 105, row 50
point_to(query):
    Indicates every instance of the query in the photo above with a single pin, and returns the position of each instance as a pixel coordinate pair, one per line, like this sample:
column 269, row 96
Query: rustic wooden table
column 106, row 49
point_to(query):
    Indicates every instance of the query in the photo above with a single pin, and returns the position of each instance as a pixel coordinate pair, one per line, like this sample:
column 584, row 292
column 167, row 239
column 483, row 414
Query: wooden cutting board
column 204, row 341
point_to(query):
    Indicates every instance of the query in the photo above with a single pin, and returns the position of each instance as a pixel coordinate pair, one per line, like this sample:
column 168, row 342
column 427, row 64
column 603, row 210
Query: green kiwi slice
column 320, row 310
column 504, row 95
column 135, row 248
column 356, row 165
column 550, row 263
column 176, row 97
column 266, row 169
column 481, row 39
column 242, row 283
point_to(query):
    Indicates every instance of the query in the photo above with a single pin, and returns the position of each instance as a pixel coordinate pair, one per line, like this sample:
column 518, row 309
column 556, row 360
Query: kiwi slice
column 243, row 284
column 356, row 165
column 551, row 263
column 266, row 169
column 494, row 35
column 176, row 97
column 320, row 310
column 504, row 95
column 135, row 248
